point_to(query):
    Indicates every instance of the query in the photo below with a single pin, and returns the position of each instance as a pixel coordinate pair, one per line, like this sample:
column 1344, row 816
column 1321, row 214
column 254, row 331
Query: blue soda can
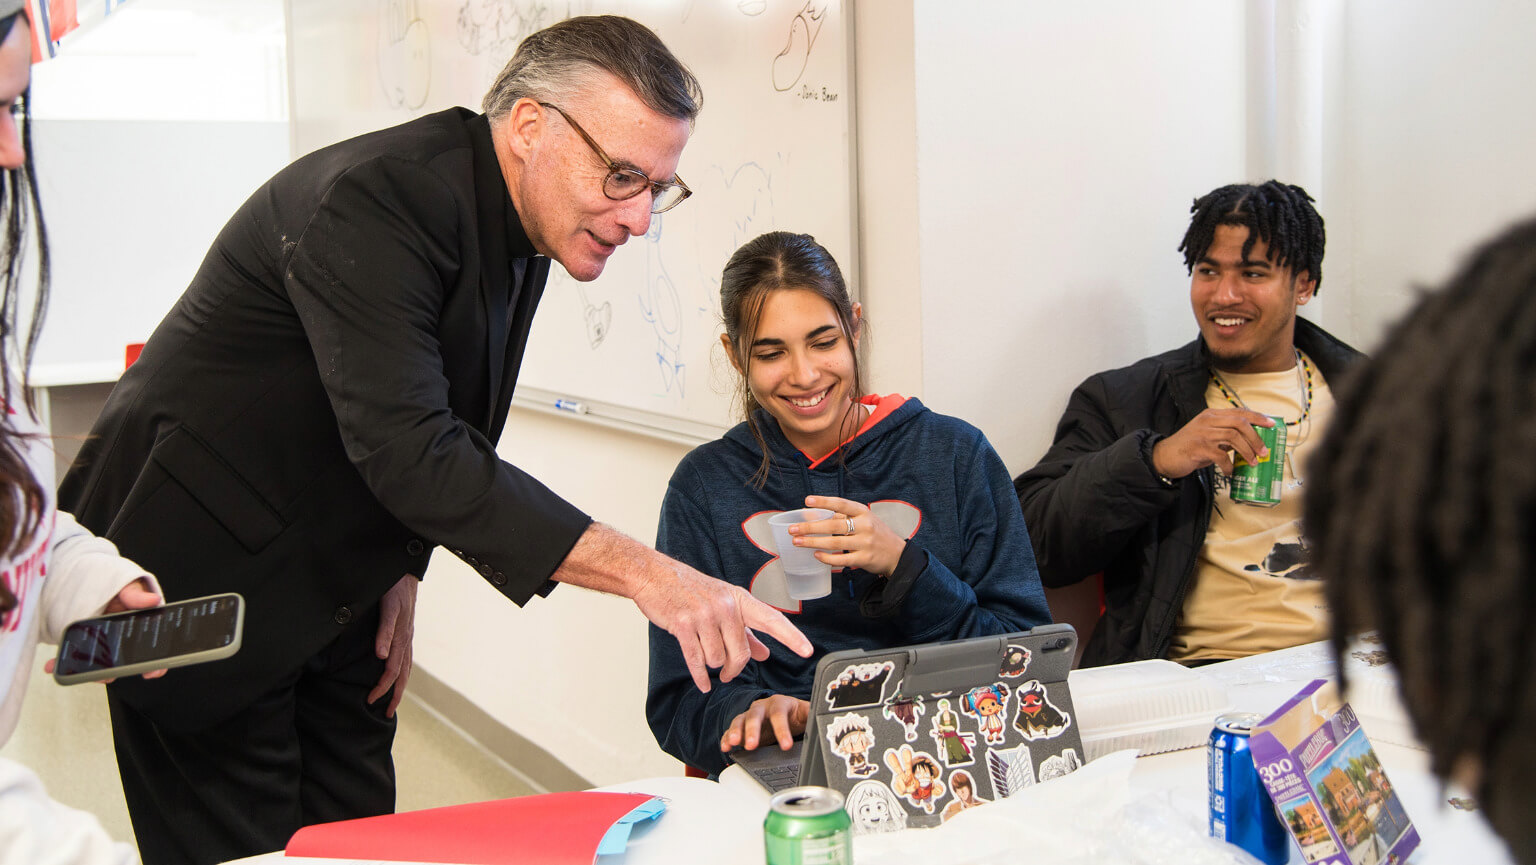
column 1241, row 811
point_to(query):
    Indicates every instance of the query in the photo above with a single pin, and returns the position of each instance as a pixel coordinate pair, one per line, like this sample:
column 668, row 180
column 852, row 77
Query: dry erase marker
column 571, row 405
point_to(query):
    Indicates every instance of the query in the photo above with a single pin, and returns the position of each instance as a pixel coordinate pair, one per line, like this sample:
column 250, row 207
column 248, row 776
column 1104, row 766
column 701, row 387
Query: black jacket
column 321, row 406
column 1093, row 503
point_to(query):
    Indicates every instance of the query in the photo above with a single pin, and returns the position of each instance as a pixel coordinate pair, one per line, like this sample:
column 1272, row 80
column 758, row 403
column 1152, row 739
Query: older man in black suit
column 320, row 409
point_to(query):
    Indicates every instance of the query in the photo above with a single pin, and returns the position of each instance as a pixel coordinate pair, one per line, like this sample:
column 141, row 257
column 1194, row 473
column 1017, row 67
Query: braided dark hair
column 1279, row 214
column 1422, row 519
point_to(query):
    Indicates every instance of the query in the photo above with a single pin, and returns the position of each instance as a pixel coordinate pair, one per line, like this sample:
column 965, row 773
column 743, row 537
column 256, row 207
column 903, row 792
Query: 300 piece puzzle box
column 1327, row 784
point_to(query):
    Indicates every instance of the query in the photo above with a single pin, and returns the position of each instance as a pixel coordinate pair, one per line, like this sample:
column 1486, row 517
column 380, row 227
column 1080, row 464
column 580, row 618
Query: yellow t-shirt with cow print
column 1253, row 589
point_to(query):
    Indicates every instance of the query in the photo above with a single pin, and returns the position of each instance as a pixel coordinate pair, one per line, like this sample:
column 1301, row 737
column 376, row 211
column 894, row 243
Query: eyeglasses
column 622, row 184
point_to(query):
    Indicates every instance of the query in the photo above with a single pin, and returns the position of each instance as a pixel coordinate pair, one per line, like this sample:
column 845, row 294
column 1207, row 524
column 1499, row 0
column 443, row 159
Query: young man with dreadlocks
column 1135, row 484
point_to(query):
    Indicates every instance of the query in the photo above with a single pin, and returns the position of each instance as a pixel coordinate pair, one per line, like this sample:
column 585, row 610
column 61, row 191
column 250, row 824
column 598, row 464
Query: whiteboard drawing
column 749, row 8
column 790, row 63
column 598, row 317
column 405, row 54
column 660, row 308
column 741, row 200
column 496, row 27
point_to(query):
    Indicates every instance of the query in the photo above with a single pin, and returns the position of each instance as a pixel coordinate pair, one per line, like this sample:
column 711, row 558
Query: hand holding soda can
column 1261, row 483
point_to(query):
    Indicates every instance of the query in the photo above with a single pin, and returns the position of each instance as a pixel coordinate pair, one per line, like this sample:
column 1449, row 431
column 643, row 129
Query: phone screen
column 148, row 635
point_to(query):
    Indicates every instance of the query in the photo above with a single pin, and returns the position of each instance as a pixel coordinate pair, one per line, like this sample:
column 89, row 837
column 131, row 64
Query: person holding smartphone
column 52, row 571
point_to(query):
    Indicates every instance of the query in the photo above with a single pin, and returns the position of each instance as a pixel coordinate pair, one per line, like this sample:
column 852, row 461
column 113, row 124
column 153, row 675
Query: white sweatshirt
column 65, row 574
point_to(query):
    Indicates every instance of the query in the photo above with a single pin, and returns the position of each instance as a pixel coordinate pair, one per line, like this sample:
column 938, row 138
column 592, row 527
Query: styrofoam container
column 1373, row 694
column 1152, row 706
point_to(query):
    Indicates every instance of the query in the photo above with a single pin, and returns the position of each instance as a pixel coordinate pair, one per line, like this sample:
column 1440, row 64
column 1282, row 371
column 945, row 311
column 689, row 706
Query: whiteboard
column 773, row 149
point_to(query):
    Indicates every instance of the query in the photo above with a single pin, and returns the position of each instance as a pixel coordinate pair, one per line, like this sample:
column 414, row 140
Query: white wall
column 1434, row 154
column 567, row 672
column 150, row 127
column 1059, row 147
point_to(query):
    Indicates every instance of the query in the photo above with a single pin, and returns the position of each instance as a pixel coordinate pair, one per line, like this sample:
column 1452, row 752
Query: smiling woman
column 925, row 535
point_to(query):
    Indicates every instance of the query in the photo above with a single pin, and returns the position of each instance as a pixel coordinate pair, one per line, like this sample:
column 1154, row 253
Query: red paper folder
column 553, row 828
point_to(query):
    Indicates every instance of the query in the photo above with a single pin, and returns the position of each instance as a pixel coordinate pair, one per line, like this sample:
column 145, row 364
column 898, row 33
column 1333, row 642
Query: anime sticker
column 963, row 787
column 859, row 685
column 1011, row 770
column 986, row 705
column 1064, row 763
column 1015, row 662
column 954, row 747
column 915, row 776
column 1037, row 718
column 874, row 808
column 851, row 738
column 907, row 712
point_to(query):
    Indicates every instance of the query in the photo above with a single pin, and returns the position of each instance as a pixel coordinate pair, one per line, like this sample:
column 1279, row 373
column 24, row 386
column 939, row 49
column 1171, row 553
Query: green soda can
column 808, row 826
column 1261, row 484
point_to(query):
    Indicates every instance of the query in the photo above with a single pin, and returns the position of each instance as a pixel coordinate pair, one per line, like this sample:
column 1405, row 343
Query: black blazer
column 321, row 407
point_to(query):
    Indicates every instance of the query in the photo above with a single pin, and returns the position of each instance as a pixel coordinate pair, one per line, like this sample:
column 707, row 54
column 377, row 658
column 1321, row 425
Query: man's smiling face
column 1246, row 305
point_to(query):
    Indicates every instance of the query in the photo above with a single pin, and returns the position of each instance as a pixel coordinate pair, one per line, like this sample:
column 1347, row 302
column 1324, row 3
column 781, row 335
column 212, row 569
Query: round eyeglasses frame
column 622, row 184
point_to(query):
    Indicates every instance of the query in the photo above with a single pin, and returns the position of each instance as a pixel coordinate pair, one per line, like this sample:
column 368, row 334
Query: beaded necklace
column 1304, row 384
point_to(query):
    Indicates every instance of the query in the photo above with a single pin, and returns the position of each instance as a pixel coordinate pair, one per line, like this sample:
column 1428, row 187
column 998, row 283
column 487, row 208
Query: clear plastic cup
column 807, row 576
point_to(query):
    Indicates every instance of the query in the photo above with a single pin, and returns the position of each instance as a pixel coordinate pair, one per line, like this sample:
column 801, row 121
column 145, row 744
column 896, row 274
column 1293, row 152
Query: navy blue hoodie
column 968, row 569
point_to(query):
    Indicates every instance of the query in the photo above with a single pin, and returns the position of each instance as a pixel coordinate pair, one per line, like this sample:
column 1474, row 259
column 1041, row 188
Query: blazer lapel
column 525, row 299
column 511, row 280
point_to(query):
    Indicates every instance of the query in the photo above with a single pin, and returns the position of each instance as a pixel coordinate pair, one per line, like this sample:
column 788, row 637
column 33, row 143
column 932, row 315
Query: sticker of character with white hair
column 874, row 808
column 851, row 738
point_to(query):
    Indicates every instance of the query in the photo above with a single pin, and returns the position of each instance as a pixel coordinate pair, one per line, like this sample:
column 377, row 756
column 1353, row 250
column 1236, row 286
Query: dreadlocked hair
column 768, row 263
column 1422, row 520
column 1279, row 214
column 22, row 498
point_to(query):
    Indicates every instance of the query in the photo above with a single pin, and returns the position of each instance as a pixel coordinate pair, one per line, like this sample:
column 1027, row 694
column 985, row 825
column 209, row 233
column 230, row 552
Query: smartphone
column 138, row 641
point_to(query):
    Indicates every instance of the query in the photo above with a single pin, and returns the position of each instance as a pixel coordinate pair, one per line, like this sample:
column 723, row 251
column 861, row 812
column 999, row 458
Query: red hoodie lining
column 882, row 405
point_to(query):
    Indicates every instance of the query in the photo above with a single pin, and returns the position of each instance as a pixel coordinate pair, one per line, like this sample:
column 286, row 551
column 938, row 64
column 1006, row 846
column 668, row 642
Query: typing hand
column 785, row 716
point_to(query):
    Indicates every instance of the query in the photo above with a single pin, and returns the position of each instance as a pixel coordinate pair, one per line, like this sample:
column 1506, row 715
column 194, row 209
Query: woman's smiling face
column 800, row 367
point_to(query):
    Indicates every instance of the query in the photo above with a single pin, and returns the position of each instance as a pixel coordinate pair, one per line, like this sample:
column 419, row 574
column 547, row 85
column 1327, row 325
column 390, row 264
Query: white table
column 721, row 823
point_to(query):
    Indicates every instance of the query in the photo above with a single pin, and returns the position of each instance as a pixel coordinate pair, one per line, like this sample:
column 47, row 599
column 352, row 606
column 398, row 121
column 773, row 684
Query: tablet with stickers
column 913, row 735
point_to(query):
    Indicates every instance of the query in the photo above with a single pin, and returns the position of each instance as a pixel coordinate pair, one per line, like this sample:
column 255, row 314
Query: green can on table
column 808, row 826
column 1260, row 484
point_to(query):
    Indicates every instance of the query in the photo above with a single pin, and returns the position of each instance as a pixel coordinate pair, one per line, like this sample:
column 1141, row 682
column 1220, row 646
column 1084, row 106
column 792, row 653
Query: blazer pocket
column 226, row 496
